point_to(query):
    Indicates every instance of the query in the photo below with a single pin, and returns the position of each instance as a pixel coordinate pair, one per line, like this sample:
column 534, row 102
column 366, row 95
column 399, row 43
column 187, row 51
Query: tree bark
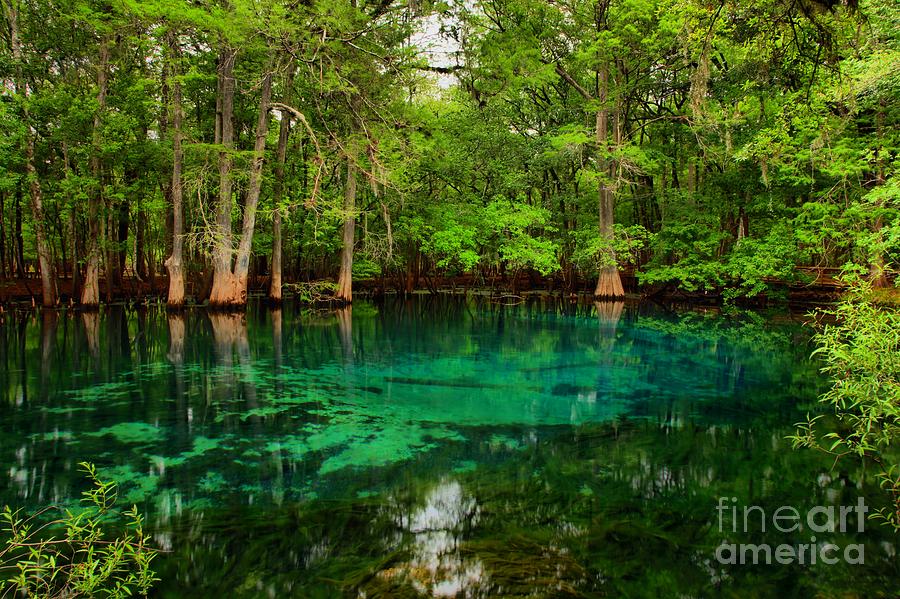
column 123, row 220
column 45, row 260
column 242, row 263
column 230, row 286
column 609, row 283
column 225, row 288
column 20, row 239
column 109, row 257
column 877, row 273
column 345, row 277
column 72, row 229
column 174, row 264
column 140, row 243
column 278, row 193
column 3, row 262
column 90, row 293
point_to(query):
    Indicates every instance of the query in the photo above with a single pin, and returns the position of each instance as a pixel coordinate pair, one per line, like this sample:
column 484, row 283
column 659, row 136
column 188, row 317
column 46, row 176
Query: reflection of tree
column 229, row 335
column 23, row 375
column 608, row 314
column 175, row 355
column 437, row 565
column 49, row 321
column 91, row 322
column 277, row 336
column 176, row 339
column 6, row 370
column 230, row 338
column 555, row 514
column 118, row 338
column 141, row 341
column 277, row 464
column 345, row 329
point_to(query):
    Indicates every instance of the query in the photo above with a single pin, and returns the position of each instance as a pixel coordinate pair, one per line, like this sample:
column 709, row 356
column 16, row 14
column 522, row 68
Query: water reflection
column 91, row 323
column 299, row 397
column 229, row 337
column 612, row 511
column 344, row 317
column 175, row 354
column 418, row 447
column 49, row 322
column 609, row 314
column 437, row 567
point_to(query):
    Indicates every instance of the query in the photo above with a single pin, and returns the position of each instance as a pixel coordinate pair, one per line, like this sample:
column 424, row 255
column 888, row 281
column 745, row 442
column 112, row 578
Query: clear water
column 435, row 447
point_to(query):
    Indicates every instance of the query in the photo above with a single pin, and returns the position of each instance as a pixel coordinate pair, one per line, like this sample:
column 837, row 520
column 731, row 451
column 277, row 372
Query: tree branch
column 571, row 81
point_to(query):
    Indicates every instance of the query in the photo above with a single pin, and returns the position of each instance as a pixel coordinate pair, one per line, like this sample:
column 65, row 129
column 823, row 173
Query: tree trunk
column 275, row 279
column 140, row 241
column 2, row 236
column 73, row 250
column 71, row 228
column 109, row 257
column 225, row 288
column 45, row 260
column 345, row 277
column 278, row 193
column 20, row 239
column 174, row 264
column 609, row 283
column 230, row 286
column 90, row 293
column 743, row 229
column 124, row 216
column 877, row 273
column 61, row 264
column 242, row 263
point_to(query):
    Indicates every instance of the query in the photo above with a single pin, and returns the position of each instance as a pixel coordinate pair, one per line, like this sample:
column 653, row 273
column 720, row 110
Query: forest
column 415, row 224
column 203, row 149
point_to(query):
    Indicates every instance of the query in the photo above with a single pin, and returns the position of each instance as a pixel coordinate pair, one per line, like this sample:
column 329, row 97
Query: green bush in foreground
column 861, row 354
column 82, row 562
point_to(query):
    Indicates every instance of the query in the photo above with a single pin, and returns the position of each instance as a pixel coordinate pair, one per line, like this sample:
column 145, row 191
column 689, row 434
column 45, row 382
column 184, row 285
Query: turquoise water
column 435, row 447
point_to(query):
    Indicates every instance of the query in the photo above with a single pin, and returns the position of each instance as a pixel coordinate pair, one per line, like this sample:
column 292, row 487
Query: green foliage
column 508, row 228
column 365, row 269
column 861, row 354
column 591, row 250
column 755, row 262
column 312, row 292
column 686, row 254
column 743, row 139
column 452, row 245
column 82, row 561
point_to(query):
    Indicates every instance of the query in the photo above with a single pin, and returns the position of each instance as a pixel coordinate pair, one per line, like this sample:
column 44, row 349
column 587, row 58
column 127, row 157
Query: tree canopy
column 231, row 145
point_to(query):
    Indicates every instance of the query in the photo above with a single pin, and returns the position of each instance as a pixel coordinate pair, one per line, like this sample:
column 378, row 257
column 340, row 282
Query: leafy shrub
column 311, row 292
column 82, row 562
column 366, row 269
column 861, row 354
column 592, row 250
column 510, row 228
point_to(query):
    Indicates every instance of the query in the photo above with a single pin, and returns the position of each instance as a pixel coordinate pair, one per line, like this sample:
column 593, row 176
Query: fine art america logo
column 820, row 520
